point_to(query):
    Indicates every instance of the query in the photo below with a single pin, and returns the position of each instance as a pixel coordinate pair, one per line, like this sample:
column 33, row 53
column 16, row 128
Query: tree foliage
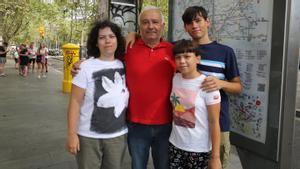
column 63, row 20
column 13, row 17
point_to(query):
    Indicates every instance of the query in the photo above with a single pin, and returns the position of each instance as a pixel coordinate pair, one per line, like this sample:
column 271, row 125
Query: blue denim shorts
column 2, row 60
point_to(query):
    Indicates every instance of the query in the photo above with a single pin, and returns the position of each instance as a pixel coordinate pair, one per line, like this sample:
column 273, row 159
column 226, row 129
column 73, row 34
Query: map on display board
column 246, row 26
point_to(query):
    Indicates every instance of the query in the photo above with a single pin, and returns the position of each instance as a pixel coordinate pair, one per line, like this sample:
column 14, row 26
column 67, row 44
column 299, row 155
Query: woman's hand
column 72, row 145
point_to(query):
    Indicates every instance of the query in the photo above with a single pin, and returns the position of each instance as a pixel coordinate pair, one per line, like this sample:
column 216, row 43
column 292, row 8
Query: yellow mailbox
column 71, row 56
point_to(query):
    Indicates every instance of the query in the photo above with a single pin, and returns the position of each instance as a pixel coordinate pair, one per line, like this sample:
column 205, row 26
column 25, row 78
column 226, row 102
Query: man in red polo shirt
column 149, row 71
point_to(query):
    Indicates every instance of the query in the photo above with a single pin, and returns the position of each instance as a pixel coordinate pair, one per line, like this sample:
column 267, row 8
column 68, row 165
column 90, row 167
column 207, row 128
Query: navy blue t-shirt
column 219, row 60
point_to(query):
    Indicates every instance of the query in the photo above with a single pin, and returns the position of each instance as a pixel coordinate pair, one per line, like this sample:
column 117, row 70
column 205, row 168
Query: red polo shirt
column 149, row 73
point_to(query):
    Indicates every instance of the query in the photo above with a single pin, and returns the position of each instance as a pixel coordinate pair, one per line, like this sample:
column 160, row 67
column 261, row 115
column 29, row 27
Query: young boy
column 195, row 136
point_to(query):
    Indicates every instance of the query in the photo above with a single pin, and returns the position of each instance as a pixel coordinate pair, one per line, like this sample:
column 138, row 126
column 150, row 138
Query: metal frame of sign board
column 278, row 100
column 290, row 69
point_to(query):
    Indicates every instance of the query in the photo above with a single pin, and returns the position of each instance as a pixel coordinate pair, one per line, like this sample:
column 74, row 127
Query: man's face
column 198, row 28
column 151, row 26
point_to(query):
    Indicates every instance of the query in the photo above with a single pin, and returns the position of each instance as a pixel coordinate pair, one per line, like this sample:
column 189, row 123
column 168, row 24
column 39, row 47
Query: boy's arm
column 214, row 129
column 232, row 86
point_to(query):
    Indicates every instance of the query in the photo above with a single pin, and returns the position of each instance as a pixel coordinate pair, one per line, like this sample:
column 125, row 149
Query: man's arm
column 232, row 86
column 130, row 39
column 24, row 54
column 5, row 51
column 75, row 68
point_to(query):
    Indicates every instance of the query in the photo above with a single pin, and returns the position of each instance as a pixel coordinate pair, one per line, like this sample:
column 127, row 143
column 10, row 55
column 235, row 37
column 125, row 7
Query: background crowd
column 26, row 58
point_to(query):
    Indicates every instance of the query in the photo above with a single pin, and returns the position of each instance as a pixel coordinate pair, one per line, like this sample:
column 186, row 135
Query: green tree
column 64, row 20
column 13, row 18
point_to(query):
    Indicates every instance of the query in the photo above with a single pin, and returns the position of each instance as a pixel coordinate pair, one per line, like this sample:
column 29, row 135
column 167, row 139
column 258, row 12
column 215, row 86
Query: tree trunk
column 103, row 12
column 140, row 5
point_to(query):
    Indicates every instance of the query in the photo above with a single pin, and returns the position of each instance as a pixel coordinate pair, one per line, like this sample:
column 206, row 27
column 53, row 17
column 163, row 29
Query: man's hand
column 130, row 39
column 75, row 68
column 211, row 84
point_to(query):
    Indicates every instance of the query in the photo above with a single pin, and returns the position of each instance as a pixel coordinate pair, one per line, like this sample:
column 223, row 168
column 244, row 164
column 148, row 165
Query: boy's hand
column 211, row 84
column 75, row 68
column 214, row 163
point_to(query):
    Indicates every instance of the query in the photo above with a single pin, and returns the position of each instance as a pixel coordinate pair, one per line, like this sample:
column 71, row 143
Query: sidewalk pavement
column 33, row 123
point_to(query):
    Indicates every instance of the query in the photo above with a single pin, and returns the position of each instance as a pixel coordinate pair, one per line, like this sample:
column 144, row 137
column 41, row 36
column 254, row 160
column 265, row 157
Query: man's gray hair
column 150, row 7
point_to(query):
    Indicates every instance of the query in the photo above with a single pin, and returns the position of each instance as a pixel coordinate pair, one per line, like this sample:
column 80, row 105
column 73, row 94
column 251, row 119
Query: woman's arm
column 76, row 98
column 214, row 128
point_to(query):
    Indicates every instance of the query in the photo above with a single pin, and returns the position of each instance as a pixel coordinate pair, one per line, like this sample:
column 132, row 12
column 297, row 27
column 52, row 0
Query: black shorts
column 38, row 59
column 32, row 60
column 24, row 60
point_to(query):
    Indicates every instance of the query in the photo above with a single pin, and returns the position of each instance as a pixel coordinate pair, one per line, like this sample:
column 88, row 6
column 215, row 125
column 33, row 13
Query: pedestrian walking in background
column 3, row 53
column 42, row 52
column 24, row 60
column 46, row 59
column 32, row 56
column 16, row 57
column 97, row 131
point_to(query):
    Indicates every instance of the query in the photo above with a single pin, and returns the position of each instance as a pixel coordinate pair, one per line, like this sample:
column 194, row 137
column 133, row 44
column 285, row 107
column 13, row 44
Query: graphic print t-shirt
column 190, row 130
column 102, row 113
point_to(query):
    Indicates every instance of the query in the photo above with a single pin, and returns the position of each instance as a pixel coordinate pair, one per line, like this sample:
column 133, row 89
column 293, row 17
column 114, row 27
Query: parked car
column 54, row 52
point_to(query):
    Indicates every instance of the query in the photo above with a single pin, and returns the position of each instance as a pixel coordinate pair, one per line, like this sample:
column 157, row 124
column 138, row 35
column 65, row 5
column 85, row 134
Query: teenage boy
column 195, row 136
column 219, row 63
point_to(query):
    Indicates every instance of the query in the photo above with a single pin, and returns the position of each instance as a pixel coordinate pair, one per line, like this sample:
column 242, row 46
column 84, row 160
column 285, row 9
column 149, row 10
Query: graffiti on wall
column 124, row 13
